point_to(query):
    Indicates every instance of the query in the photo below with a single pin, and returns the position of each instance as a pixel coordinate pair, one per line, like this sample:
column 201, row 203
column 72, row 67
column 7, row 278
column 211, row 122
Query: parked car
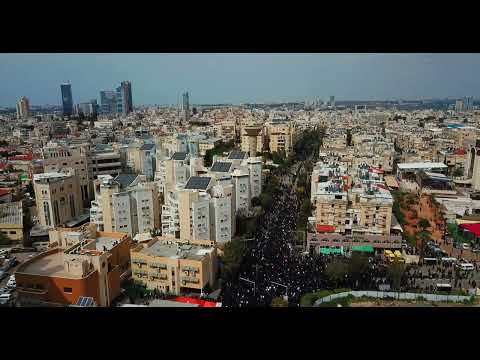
column 465, row 246
column 3, row 275
column 5, row 298
column 4, row 290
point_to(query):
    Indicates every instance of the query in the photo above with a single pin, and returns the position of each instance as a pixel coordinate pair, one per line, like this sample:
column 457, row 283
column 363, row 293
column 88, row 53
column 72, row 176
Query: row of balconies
column 188, row 279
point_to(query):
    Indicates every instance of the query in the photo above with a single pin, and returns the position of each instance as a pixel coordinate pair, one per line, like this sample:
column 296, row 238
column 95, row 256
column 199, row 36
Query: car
column 4, row 290
column 465, row 246
column 3, row 275
column 5, row 298
column 476, row 250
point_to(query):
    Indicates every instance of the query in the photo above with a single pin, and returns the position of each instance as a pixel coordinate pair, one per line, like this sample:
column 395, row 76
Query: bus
column 466, row 266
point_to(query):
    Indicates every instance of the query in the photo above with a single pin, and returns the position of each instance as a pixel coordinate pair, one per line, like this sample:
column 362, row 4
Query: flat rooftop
column 421, row 165
column 11, row 213
column 191, row 252
column 50, row 176
column 50, row 265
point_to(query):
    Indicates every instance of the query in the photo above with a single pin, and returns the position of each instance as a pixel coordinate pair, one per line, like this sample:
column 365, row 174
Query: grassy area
column 310, row 298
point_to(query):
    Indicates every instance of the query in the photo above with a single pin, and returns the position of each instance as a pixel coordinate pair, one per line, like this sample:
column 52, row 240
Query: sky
column 239, row 78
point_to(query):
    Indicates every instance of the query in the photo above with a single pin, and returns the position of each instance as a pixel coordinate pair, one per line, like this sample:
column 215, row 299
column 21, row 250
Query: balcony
column 189, row 279
column 139, row 261
column 158, row 266
column 189, row 268
column 140, row 273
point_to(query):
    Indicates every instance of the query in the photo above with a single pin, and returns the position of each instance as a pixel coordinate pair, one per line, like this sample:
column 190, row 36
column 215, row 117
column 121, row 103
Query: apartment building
column 58, row 197
column 141, row 159
column 252, row 139
column 127, row 203
column 349, row 204
column 105, row 160
column 92, row 267
column 281, row 137
column 173, row 267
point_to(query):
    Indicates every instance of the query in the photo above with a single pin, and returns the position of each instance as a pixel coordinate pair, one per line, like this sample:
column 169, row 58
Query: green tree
column 423, row 223
column 336, row 272
column 233, row 253
column 458, row 172
column 279, row 302
column 395, row 273
column 358, row 265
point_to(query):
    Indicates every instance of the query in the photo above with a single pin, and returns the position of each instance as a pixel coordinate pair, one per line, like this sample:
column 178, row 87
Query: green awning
column 331, row 250
column 363, row 248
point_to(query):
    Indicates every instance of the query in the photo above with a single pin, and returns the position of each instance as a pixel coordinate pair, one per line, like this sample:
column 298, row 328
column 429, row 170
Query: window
column 13, row 232
column 67, row 290
column 103, row 265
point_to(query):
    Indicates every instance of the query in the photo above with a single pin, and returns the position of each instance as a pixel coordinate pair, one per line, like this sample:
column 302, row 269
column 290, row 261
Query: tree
column 336, row 272
column 256, row 201
column 279, row 302
column 458, row 172
column 233, row 253
column 423, row 223
column 395, row 273
column 358, row 265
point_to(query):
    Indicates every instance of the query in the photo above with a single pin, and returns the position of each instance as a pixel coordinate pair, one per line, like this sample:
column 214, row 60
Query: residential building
column 127, row 203
column 175, row 268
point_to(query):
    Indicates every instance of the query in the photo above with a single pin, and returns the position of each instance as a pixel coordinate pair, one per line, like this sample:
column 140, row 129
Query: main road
column 272, row 267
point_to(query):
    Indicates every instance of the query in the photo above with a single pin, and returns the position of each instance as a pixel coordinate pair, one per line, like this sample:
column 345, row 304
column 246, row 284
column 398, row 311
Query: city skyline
column 240, row 78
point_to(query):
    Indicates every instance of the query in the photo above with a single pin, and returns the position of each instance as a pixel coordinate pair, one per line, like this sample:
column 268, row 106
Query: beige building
column 57, row 157
column 252, row 139
column 11, row 221
column 281, row 137
column 173, row 267
column 58, row 197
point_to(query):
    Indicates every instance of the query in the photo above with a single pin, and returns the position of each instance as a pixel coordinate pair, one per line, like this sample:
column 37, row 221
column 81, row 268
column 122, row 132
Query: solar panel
column 84, row 301
column 147, row 147
column 198, row 183
column 221, row 166
column 179, row 156
column 237, row 155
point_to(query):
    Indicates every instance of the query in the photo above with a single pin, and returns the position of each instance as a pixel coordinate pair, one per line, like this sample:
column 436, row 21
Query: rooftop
column 174, row 251
column 237, row 155
column 11, row 213
column 422, row 165
column 179, row 156
column 50, row 176
column 198, row 183
column 125, row 180
column 147, row 147
column 221, row 166
column 48, row 265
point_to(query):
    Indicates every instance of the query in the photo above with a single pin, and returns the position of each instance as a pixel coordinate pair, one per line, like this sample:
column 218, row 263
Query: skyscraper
column 23, row 108
column 468, row 103
column 67, row 99
column 332, row 101
column 124, row 98
column 108, row 102
column 186, row 106
column 459, row 105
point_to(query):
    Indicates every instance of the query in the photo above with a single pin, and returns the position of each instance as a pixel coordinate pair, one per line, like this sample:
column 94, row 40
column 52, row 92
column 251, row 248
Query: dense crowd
column 273, row 259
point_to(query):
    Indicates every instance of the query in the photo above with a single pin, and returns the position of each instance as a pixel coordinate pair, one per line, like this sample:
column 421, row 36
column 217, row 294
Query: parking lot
column 21, row 257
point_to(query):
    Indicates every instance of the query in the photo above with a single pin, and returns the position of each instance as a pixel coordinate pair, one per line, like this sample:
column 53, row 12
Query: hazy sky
column 235, row 78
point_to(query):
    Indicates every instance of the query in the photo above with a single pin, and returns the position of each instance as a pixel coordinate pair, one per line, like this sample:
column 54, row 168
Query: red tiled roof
column 24, row 157
column 325, row 228
column 473, row 228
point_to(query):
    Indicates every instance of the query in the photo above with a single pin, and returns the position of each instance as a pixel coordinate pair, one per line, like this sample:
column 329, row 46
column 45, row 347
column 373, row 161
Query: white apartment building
column 126, row 203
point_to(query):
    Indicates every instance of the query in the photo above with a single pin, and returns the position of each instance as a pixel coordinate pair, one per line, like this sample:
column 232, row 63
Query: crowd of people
column 272, row 267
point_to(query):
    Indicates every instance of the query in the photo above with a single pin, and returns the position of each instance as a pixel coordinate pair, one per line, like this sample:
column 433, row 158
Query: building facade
column 67, row 99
